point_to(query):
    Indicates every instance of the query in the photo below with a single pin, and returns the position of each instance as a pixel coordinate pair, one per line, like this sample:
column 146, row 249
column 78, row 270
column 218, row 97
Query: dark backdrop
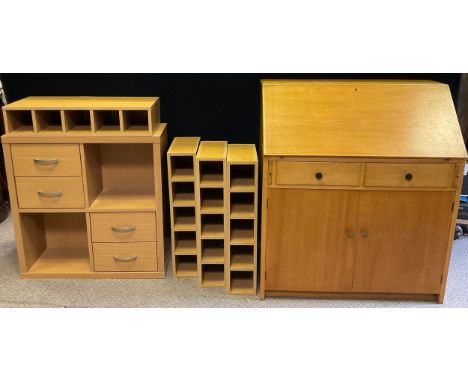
column 212, row 106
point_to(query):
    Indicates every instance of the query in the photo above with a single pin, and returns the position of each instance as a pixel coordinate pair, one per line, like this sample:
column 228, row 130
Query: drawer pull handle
column 318, row 175
column 409, row 176
column 123, row 229
column 125, row 259
column 46, row 162
column 51, row 194
column 364, row 233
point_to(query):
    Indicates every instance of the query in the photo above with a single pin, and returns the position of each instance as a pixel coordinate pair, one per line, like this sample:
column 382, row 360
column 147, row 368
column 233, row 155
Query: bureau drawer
column 126, row 257
column 46, row 159
column 50, row 192
column 123, row 226
column 409, row 175
column 318, row 173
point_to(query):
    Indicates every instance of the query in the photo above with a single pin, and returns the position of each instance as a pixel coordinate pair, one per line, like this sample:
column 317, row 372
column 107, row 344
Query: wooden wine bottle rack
column 213, row 191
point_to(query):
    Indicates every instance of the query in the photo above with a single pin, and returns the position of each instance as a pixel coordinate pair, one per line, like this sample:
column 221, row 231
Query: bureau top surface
column 80, row 103
column 407, row 119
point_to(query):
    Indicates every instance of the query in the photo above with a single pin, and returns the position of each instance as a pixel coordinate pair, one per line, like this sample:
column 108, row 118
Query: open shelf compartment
column 212, row 275
column 212, row 201
column 183, row 194
column 48, row 121
column 186, row 266
column 135, row 121
column 19, row 121
column 242, row 282
column 242, row 257
column 212, row 251
column 242, row 232
column 211, row 174
column 182, row 169
column 120, row 176
column 77, row 121
column 212, row 226
column 106, row 121
column 184, row 219
column 185, row 243
column 242, row 205
column 58, row 241
column 242, row 177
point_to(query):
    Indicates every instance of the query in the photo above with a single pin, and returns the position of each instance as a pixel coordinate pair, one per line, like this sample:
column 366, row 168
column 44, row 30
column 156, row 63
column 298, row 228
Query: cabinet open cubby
column 181, row 169
column 212, row 226
column 211, row 200
column 135, row 121
column 58, row 241
column 211, row 174
column 212, row 275
column 242, row 177
column 242, row 205
column 184, row 219
column 120, row 176
column 242, row 282
column 48, row 121
column 185, row 243
column 77, row 121
column 186, row 266
column 212, row 251
column 242, row 231
column 19, row 121
column 242, row 257
column 106, row 121
column 183, row 194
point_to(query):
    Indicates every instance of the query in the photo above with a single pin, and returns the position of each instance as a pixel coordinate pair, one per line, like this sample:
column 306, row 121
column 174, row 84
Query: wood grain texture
column 67, row 155
column 407, row 234
column 307, row 242
column 360, row 119
column 143, row 226
column 28, row 189
column 331, row 174
column 143, row 252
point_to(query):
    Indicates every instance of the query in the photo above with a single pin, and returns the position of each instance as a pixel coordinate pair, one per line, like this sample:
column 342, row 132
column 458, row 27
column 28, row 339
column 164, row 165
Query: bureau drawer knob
column 123, row 229
column 45, row 162
column 52, row 194
column 125, row 259
column 318, row 175
column 409, row 176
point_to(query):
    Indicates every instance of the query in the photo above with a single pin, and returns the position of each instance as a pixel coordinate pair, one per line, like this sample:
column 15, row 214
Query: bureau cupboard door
column 310, row 245
column 402, row 241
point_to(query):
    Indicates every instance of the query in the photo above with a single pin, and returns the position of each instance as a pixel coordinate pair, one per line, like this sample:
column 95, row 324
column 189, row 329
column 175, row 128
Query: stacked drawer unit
column 86, row 196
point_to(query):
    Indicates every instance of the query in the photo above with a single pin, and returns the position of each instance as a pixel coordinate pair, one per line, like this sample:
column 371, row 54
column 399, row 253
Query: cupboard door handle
column 350, row 233
column 123, row 229
column 51, row 194
column 125, row 259
column 45, row 162
column 364, row 233
column 318, row 175
column 409, row 176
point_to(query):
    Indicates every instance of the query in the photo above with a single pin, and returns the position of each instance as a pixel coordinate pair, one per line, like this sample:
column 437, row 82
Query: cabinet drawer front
column 318, row 173
column 409, row 175
column 50, row 192
column 46, row 160
column 125, row 257
column 123, row 226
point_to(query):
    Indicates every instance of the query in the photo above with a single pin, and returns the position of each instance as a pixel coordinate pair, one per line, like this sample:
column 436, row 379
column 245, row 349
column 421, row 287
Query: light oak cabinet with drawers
column 361, row 181
column 85, row 179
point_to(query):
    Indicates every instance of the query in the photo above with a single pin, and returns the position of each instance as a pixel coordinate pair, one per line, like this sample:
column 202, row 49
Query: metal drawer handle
column 123, row 229
column 45, row 162
column 125, row 259
column 51, row 194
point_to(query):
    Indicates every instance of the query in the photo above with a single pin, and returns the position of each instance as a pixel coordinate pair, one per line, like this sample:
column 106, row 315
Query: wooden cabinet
column 361, row 181
column 85, row 176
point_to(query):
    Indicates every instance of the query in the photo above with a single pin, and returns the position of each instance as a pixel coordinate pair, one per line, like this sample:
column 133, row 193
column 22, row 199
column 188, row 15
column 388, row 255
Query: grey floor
column 178, row 293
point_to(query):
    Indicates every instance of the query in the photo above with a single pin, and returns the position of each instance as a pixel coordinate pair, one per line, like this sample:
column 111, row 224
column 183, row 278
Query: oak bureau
column 361, row 181
column 85, row 176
